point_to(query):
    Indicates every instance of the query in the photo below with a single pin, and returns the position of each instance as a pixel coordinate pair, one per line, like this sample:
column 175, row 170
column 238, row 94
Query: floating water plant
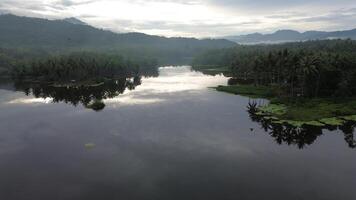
column 349, row 118
column 274, row 109
column 96, row 105
column 332, row 121
column 90, row 146
column 314, row 123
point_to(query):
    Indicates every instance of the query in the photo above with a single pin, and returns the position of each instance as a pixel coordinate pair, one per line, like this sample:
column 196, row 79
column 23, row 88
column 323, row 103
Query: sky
column 195, row 18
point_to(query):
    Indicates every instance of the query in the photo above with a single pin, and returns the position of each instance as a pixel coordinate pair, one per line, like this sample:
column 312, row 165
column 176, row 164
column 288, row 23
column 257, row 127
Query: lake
column 169, row 137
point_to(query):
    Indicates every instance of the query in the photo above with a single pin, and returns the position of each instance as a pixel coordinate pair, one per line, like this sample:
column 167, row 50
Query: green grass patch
column 247, row 90
column 212, row 69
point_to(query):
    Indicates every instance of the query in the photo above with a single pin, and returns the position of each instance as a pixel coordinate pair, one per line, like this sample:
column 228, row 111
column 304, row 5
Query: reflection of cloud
column 154, row 89
column 31, row 101
column 131, row 100
column 171, row 80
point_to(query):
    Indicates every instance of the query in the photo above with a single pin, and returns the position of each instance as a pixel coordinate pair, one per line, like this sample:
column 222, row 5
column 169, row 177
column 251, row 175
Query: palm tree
column 308, row 65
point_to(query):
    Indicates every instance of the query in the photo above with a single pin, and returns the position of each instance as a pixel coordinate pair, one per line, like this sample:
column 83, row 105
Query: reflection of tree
column 89, row 96
column 299, row 136
column 295, row 136
column 348, row 130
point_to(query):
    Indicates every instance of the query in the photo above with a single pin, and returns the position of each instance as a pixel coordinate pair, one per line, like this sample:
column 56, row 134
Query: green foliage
column 317, row 112
column 274, row 109
column 332, row 121
column 211, row 69
column 81, row 67
column 248, row 90
column 349, row 118
column 302, row 69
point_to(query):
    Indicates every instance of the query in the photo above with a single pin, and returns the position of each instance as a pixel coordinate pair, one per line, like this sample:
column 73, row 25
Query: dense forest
column 83, row 66
column 304, row 69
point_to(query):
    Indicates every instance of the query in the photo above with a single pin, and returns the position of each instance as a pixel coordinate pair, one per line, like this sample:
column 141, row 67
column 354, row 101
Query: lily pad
column 270, row 118
column 281, row 122
column 349, row 118
column 294, row 123
column 314, row 123
column 332, row 121
column 260, row 113
column 90, row 146
column 274, row 109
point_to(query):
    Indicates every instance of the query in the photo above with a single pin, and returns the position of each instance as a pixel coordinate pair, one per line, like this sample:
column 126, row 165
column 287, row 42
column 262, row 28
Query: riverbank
column 212, row 70
column 248, row 90
column 298, row 112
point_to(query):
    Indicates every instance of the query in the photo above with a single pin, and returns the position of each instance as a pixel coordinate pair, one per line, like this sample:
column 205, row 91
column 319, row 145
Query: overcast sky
column 197, row 18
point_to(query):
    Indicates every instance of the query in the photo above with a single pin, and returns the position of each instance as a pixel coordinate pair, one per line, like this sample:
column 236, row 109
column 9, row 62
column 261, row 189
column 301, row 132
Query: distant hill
column 74, row 20
column 71, row 33
column 291, row 36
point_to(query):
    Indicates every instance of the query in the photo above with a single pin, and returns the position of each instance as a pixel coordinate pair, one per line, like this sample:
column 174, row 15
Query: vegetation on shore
column 314, row 69
column 82, row 67
column 316, row 112
column 212, row 70
column 311, row 83
column 247, row 90
column 300, row 111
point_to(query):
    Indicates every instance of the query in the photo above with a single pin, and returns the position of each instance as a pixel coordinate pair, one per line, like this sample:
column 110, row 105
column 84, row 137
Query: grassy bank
column 248, row 90
column 298, row 112
column 212, row 70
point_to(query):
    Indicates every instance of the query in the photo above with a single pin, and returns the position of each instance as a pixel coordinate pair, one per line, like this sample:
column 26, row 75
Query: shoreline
column 321, row 112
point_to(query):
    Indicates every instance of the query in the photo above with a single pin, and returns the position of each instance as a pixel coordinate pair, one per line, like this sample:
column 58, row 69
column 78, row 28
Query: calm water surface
column 168, row 138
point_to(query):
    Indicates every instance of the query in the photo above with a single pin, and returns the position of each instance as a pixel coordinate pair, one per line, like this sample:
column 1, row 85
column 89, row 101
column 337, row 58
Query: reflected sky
column 171, row 80
column 152, row 90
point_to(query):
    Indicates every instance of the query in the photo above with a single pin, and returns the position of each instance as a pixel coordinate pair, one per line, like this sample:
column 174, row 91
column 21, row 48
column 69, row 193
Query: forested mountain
column 291, row 35
column 28, row 32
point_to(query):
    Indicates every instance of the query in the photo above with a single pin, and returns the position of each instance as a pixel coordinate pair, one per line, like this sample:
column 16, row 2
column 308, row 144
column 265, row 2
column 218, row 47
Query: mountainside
column 291, row 36
column 25, row 32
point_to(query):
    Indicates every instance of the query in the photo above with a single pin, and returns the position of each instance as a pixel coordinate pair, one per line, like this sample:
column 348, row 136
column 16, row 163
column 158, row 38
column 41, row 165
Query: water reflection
column 90, row 96
column 154, row 88
column 298, row 136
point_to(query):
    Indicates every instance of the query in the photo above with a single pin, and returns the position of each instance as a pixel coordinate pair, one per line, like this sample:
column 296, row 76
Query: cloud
column 69, row 3
column 200, row 18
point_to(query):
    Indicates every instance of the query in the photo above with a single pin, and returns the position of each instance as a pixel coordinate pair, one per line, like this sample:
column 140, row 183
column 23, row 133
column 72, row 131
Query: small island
column 84, row 78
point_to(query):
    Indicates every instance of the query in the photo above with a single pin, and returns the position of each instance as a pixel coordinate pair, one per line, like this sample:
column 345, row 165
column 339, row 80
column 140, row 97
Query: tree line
column 301, row 69
column 82, row 66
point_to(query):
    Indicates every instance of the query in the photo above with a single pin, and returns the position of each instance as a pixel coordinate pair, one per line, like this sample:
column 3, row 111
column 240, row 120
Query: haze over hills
column 71, row 33
column 291, row 36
